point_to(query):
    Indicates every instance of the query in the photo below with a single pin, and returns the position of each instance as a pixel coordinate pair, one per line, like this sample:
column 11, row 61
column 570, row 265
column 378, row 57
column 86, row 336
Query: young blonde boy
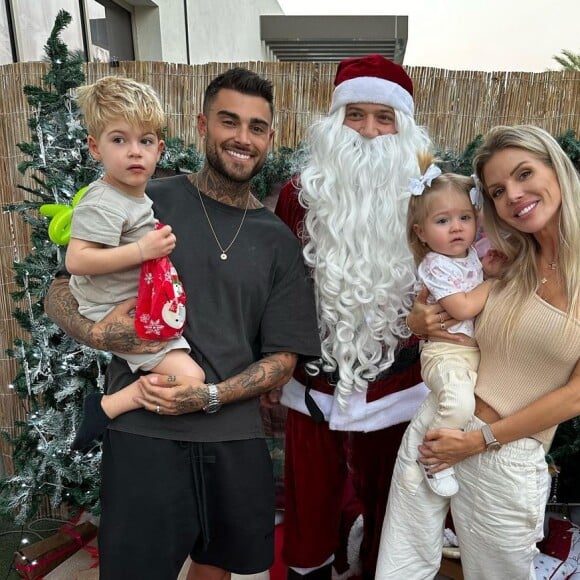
column 113, row 230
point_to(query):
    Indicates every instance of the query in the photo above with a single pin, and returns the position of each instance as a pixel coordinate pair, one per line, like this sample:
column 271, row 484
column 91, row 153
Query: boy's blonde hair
column 419, row 205
column 112, row 98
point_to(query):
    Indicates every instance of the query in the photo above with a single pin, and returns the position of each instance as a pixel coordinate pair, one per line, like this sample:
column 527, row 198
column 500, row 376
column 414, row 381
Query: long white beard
column 354, row 191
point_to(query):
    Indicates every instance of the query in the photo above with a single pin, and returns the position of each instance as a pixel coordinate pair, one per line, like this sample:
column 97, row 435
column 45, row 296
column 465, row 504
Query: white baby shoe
column 442, row 483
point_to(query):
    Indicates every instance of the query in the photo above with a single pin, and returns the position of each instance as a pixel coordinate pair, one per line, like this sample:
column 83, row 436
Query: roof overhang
column 332, row 38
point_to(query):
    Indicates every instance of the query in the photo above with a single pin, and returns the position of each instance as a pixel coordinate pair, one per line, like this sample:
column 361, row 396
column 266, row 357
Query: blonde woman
column 528, row 377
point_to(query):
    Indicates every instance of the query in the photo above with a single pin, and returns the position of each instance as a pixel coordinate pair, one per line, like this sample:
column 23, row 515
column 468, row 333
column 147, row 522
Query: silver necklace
column 224, row 254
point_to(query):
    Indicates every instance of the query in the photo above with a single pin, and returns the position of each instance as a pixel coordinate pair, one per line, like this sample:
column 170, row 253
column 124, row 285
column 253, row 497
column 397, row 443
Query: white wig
column 353, row 189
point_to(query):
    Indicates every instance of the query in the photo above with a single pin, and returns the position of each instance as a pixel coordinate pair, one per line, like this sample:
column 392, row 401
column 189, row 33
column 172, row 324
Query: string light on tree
column 54, row 372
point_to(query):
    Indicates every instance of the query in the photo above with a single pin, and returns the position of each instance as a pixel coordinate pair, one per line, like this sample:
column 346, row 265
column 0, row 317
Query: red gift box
column 38, row 559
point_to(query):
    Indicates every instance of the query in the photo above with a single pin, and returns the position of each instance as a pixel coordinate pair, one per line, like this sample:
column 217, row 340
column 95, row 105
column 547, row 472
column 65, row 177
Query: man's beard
column 355, row 230
column 227, row 167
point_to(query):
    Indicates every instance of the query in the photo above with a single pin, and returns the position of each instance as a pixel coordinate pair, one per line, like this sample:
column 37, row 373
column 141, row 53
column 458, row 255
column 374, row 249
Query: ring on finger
column 171, row 378
column 158, row 409
column 442, row 326
column 441, row 319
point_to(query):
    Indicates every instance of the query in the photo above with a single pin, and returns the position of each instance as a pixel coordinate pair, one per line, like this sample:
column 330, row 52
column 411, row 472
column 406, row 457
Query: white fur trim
column 380, row 414
column 359, row 415
column 344, row 576
column 372, row 90
column 293, row 398
column 304, row 571
column 355, row 538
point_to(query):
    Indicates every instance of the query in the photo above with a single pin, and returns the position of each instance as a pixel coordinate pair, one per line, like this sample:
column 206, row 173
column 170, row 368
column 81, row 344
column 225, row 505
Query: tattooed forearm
column 118, row 335
column 274, row 370
column 191, row 399
column 183, row 394
column 62, row 308
column 115, row 332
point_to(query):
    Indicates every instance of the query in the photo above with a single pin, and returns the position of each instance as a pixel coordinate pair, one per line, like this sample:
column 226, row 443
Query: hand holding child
column 171, row 394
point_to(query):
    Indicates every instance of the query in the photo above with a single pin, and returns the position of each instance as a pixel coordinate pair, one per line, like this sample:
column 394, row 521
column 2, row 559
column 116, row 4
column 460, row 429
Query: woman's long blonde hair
column 520, row 280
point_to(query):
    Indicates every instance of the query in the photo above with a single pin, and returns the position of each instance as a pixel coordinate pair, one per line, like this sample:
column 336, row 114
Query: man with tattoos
column 190, row 473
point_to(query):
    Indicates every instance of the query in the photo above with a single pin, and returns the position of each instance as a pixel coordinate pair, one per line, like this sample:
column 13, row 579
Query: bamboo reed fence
column 454, row 105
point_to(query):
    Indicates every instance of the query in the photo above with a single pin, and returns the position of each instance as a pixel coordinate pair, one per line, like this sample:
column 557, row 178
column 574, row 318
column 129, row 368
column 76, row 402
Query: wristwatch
column 491, row 443
column 213, row 401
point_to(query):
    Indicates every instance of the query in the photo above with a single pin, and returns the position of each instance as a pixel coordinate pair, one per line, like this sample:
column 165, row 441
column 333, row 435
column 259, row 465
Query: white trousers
column 450, row 371
column 498, row 512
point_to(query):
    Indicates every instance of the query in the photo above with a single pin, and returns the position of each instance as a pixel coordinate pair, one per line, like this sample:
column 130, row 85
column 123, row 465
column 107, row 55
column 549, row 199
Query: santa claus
column 348, row 411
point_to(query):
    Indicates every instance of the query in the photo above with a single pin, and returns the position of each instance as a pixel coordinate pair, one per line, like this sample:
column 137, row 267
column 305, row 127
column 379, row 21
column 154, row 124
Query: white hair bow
column 475, row 193
column 417, row 186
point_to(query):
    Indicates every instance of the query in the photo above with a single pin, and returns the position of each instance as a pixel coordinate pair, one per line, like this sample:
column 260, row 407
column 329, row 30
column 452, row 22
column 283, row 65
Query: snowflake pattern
column 160, row 310
column 154, row 327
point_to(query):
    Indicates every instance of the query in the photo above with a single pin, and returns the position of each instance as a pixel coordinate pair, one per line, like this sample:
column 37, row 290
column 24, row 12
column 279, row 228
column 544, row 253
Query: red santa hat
column 372, row 79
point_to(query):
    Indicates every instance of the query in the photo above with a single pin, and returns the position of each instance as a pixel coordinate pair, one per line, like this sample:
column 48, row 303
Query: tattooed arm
column 182, row 394
column 115, row 332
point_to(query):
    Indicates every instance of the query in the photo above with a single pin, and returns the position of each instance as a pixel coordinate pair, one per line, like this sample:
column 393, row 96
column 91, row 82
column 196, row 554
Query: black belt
column 404, row 359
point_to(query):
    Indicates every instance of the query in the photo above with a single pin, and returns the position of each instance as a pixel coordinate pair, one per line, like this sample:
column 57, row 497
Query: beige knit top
column 539, row 359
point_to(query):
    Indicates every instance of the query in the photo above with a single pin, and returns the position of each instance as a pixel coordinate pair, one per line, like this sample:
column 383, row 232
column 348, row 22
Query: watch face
column 212, row 407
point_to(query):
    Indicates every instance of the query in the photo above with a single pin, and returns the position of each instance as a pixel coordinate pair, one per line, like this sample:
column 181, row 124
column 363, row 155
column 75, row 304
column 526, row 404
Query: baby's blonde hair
column 419, row 205
column 112, row 98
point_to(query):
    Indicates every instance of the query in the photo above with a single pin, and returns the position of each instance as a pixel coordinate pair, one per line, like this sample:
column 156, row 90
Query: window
column 33, row 21
column 6, row 56
column 111, row 36
column 105, row 27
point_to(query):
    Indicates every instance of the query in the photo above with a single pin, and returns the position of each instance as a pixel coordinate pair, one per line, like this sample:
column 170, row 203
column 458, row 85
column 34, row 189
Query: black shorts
column 162, row 500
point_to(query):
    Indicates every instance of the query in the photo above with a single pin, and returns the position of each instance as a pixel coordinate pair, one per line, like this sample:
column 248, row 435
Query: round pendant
column 224, row 256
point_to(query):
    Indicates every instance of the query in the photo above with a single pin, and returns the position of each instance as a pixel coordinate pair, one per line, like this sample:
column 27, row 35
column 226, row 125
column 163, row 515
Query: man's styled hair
column 112, row 98
column 243, row 81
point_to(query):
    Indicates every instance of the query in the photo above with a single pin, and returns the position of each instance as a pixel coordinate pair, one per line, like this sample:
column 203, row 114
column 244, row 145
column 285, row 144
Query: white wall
column 219, row 30
column 173, row 28
column 158, row 29
column 227, row 30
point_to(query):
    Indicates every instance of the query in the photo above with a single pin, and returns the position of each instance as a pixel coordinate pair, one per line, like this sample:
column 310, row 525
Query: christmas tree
column 54, row 372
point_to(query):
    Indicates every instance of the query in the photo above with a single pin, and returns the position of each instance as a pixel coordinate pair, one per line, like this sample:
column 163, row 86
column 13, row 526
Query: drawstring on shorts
column 197, row 461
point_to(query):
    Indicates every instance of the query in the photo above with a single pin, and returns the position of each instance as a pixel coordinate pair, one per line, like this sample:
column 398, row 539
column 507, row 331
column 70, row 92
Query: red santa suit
column 327, row 445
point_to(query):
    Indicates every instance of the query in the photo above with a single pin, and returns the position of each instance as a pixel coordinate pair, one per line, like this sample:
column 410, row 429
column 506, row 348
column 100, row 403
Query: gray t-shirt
column 108, row 216
column 258, row 301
